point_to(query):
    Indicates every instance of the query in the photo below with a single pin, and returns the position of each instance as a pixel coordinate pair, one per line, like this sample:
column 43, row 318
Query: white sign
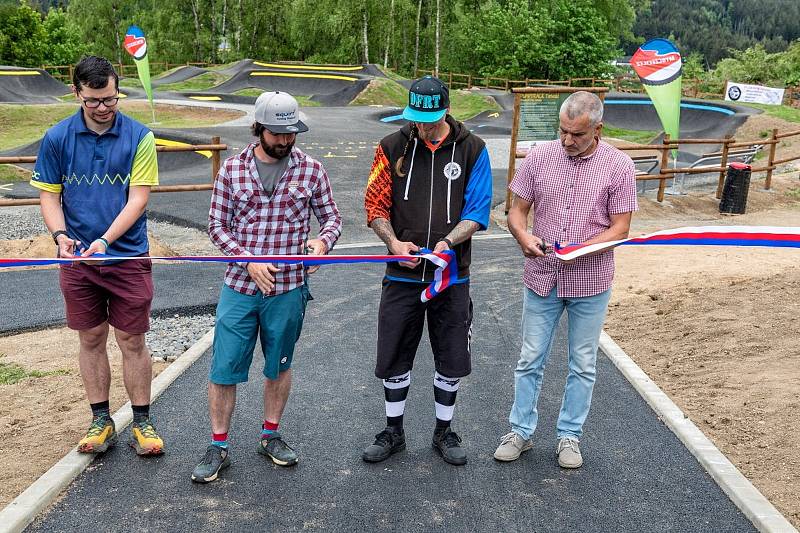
column 756, row 94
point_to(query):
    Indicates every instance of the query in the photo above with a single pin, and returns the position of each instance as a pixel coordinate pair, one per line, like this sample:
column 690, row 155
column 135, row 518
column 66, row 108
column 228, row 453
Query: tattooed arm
column 383, row 229
column 462, row 232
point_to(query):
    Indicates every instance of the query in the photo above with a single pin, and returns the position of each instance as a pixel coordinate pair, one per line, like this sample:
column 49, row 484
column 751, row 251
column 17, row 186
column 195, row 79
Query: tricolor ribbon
column 769, row 236
column 446, row 268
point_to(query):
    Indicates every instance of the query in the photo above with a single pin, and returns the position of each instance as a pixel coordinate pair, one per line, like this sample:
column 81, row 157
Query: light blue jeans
column 540, row 318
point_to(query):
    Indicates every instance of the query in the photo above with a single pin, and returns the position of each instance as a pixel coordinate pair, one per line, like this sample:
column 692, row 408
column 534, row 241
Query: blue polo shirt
column 93, row 174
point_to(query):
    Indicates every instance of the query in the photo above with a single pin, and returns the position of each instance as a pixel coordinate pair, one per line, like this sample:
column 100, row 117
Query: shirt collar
column 576, row 158
column 79, row 123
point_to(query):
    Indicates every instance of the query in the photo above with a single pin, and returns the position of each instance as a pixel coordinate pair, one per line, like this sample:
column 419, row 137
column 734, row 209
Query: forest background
column 748, row 41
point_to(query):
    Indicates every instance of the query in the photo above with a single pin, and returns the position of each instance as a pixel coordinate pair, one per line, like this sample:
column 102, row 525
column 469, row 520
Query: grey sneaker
column 511, row 447
column 569, row 455
column 215, row 460
column 276, row 449
column 390, row 440
column 448, row 443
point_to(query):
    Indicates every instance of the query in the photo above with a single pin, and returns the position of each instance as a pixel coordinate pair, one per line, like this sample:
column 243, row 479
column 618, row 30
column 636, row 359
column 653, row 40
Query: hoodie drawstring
column 449, row 181
column 410, row 169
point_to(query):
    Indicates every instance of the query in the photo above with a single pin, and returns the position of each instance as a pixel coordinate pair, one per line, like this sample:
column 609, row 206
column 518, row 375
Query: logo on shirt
column 452, row 171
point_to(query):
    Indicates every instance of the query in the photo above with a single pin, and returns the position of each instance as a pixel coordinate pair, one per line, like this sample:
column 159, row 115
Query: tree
column 63, row 46
column 22, row 36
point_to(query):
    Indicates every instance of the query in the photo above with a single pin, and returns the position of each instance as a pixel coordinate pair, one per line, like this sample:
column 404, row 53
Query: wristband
column 105, row 242
column 448, row 241
column 57, row 233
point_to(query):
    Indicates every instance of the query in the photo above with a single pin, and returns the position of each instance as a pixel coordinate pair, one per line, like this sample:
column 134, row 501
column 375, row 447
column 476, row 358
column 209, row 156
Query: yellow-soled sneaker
column 101, row 436
column 145, row 440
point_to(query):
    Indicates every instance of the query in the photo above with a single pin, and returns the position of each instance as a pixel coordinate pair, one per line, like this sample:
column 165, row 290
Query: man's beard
column 277, row 151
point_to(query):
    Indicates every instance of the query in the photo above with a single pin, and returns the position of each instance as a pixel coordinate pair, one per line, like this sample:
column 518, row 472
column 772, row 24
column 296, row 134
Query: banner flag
column 658, row 65
column 446, row 272
column 769, row 236
column 136, row 45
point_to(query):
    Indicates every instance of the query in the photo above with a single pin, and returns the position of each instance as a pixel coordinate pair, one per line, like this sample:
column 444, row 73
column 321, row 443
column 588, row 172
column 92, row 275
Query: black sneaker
column 276, row 449
column 215, row 460
column 390, row 440
column 449, row 445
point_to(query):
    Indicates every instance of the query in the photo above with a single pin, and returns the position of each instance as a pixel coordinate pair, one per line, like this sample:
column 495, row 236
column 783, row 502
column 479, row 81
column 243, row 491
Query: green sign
column 538, row 116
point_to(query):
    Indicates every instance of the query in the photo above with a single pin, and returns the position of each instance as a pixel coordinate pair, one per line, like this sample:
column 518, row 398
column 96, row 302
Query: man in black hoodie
column 430, row 187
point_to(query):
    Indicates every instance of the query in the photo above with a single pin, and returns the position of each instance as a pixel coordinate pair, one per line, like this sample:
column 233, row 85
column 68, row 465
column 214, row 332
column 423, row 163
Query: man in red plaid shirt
column 581, row 190
column 262, row 204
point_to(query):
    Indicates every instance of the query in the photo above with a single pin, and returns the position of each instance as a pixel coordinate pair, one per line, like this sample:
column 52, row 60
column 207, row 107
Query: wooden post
column 662, row 183
column 469, row 81
column 512, row 153
column 450, row 84
column 215, row 159
column 771, row 161
column 723, row 162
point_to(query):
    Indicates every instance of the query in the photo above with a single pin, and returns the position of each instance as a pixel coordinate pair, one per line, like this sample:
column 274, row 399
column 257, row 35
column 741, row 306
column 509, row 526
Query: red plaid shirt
column 573, row 200
column 244, row 220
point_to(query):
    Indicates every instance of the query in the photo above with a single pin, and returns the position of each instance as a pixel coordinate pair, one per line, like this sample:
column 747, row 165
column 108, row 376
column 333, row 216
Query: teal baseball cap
column 428, row 100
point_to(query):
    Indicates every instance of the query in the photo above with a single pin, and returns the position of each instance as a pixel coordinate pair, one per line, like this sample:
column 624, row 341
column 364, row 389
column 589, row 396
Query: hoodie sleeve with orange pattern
column 378, row 196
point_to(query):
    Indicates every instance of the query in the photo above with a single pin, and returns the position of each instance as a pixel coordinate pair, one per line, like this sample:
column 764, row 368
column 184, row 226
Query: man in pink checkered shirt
column 262, row 204
column 582, row 190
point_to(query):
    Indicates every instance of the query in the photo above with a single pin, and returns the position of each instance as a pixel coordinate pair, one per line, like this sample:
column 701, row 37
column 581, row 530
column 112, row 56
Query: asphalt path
column 343, row 139
column 637, row 475
column 32, row 299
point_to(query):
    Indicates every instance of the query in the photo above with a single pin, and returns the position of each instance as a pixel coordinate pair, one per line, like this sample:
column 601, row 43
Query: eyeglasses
column 92, row 103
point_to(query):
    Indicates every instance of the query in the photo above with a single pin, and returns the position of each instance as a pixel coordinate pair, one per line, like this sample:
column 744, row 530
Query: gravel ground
column 21, row 222
column 170, row 336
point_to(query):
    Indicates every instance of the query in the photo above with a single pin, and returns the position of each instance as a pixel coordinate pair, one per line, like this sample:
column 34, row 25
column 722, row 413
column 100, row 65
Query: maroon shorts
column 120, row 293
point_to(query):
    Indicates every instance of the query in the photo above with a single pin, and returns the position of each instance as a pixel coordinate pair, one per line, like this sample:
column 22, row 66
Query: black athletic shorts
column 401, row 318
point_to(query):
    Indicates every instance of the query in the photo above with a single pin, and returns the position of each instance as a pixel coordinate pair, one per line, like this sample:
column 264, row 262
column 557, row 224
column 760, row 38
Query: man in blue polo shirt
column 94, row 172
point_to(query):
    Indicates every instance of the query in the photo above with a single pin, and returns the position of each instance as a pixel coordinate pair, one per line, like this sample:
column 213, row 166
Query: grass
column 466, row 104
column 392, row 75
column 634, row 136
column 785, row 112
column 170, row 116
column 463, row 104
column 12, row 174
column 794, row 193
column 223, row 66
column 11, row 373
column 197, row 83
column 304, row 101
column 132, row 83
column 23, row 124
column 382, row 91
column 250, row 91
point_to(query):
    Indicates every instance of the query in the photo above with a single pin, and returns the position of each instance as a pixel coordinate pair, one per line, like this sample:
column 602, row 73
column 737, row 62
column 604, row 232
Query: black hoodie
column 425, row 204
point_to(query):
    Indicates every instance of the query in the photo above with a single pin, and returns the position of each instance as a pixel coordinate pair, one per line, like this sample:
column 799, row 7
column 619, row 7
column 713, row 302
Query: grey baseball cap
column 279, row 112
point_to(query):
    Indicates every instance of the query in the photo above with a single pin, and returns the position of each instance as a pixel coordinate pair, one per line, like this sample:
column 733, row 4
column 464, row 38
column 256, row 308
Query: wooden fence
column 215, row 148
column 665, row 172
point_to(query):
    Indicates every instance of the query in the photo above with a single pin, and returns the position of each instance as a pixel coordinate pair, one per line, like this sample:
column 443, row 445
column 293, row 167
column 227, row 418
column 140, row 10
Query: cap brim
column 423, row 116
column 297, row 127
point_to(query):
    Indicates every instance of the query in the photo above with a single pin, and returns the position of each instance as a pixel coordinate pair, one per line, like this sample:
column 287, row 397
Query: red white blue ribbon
column 446, row 268
column 769, row 236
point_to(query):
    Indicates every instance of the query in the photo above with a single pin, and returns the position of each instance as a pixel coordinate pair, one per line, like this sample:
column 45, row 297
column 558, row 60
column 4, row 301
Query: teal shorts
column 240, row 319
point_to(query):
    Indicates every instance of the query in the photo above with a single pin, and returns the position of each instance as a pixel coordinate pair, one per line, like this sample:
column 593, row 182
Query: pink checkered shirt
column 573, row 198
column 244, row 220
